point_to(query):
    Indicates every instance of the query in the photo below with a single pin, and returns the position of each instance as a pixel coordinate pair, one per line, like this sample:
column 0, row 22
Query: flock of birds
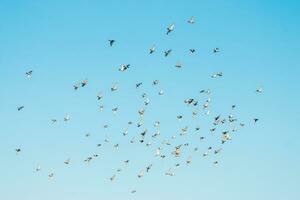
column 232, row 123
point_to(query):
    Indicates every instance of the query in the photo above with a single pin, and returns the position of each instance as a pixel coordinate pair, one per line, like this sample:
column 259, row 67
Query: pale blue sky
column 66, row 41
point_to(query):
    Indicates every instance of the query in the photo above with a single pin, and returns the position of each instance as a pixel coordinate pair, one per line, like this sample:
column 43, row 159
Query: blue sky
column 64, row 42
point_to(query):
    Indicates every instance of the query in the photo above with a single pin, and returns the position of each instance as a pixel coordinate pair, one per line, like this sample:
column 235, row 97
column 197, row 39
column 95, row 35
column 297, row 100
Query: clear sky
column 64, row 42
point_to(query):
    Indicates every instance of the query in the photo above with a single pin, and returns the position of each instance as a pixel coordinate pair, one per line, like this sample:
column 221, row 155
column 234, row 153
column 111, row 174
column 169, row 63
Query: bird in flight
column 170, row 28
column 19, row 108
column 191, row 20
column 111, row 42
column 29, row 74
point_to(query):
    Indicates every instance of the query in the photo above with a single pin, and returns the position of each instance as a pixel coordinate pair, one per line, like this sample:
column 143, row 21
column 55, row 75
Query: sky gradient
column 64, row 42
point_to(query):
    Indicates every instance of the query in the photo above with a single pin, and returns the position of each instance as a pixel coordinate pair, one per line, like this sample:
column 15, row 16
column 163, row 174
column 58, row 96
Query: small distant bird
column 141, row 174
column 152, row 50
column 255, row 120
column 124, row 67
column 179, row 117
column 192, row 50
column 67, row 118
column 170, row 28
column 178, row 65
column 53, row 121
column 155, row 82
column 218, row 74
column 125, row 132
column 84, row 83
column 51, row 175
column 18, row 150
column 29, row 74
column 167, row 52
column 76, row 86
column 259, row 90
column 191, row 20
column 161, row 92
column 170, row 173
column 138, row 84
column 20, row 108
column 67, row 161
column 114, row 87
column 148, row 168
column 99, row 96
column 216, row 50
column 188, row 161
column 111, row 42
column 114, row 110
column 133, row 191
column 218, row 151
column 38, row 168
column 112, row 178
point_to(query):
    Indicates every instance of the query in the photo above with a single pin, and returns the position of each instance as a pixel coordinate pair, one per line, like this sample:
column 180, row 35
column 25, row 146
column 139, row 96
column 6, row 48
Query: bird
column 67, row 161
column 84, row 83
column 51, row 175
column 215, row 162
column 141, row 174
column 124, row 67
column 170, row 28
column 191, row 20
column 178, row 65
column 192, row 50
column 19, row 108
column 170, row 173
column 167, row 52
column 114, row 87
column 18, row 150
column 67, row 118
column 111, row 42
column 29, row 73
column 76, row 86
column 38, row 168
column 161, row 92
column 155, row 82
column 259, row 90
column 152, row 50
column 216, row 50
column 148, row 168
column 218, row 150
column 114, row 110
column 137, row 85
column 218, row 74
column 112, row 178
column 99, row 96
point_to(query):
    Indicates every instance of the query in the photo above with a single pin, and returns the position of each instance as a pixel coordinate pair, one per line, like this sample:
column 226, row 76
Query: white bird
column 191, row 20
column 170, row 28
column 141, row 174
column 124, row 67
column 67, row 118
column 259, row 90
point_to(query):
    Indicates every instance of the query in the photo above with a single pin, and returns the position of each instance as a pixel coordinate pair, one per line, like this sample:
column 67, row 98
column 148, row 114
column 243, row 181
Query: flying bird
column 170, row 28
column 111, row 42
column 191, row 20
